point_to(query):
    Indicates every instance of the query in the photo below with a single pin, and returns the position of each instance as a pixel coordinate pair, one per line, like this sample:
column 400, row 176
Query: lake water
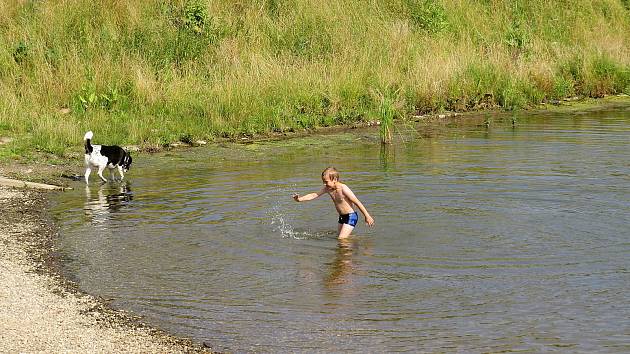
column 487, row 239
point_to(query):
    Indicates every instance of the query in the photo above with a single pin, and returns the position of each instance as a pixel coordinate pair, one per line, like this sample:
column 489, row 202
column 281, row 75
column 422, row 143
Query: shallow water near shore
column 499, row 238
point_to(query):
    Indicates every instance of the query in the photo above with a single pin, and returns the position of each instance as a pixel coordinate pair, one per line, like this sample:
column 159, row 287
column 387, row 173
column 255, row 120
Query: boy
column 343, row 198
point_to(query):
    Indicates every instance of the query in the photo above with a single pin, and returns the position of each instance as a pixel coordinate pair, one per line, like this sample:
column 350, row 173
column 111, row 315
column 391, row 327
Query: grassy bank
column 152, row 72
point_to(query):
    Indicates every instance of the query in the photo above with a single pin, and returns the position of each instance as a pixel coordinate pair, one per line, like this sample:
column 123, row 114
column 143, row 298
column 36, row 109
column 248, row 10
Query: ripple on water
column 486, row 240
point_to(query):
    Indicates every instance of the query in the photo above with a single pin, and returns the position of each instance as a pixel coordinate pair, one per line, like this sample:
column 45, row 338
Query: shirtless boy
column 343, row 198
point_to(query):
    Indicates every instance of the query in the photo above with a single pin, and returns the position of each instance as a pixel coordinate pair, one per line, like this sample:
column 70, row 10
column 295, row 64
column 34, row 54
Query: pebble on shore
column 40, row 311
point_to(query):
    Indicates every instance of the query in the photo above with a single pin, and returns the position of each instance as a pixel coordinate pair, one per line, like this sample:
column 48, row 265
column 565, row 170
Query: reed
column 387, row 112
column 151, row 72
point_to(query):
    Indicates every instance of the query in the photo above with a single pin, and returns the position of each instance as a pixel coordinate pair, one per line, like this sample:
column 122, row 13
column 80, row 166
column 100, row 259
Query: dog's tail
column 88, row 145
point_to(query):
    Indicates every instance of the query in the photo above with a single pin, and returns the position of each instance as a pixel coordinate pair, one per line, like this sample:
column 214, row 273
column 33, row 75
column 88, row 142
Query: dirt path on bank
column 42, row 312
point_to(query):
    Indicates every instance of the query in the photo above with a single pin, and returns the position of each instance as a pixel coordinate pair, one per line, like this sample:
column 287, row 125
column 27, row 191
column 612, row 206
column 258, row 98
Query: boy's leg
column 345, row 230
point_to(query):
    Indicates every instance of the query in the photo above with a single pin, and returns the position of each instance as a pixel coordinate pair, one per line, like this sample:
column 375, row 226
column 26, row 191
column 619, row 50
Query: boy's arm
column 309, row 196
column 353, row 198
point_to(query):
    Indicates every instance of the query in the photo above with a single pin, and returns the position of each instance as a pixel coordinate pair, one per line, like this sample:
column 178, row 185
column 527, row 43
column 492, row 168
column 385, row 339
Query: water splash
column 281, row 202
column 280, row 223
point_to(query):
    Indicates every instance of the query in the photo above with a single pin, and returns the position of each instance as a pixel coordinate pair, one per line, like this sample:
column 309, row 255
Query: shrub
column 273, row 7
column 191, row 32
column 572, row 69
column 474, row 86
column 510, row 96
column 427, row 15
column 607, row 77
column 92, row 98
column 517, row 36
column 20, row 53
column 562, row 87
column 195, row 17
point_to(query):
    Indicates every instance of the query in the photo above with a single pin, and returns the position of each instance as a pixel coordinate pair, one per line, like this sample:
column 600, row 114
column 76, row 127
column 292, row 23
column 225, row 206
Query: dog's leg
column 87, row 174
column 122, row 175
column 100, row 173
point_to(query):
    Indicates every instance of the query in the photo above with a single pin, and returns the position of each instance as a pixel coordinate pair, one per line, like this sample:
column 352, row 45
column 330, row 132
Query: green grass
column 152, row 72
column 387, row 113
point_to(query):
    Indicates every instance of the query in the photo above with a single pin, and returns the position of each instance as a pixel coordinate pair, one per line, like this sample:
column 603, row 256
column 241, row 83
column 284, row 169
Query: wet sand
column 40, row 311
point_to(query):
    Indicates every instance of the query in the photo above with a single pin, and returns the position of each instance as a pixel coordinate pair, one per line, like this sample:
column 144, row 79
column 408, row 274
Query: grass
column 153, row 72
column 387, row 113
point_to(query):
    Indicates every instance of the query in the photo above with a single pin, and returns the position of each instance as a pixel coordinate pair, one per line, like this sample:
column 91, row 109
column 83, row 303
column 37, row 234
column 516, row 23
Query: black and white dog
column 102, row 156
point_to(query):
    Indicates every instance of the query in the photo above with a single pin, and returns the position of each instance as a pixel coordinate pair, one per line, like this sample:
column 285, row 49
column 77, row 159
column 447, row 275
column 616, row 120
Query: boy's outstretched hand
column 369, row 221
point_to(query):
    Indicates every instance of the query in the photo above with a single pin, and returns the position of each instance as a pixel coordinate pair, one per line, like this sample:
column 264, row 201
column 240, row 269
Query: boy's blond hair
column 331, row 172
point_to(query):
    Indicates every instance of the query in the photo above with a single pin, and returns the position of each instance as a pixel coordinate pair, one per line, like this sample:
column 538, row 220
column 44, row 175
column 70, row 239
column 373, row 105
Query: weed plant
column 387, row 113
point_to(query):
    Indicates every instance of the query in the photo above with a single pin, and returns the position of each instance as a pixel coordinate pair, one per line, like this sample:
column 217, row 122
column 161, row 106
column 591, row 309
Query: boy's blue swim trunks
column 350, row 219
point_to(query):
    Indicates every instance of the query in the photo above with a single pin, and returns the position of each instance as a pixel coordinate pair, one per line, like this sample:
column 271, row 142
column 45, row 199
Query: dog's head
column 126, row 163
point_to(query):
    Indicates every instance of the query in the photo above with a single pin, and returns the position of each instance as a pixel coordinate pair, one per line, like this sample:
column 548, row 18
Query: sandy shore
column 40, row 311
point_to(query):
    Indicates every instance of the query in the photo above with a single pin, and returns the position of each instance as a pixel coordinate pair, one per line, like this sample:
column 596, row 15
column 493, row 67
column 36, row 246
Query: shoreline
column 41, row 310
column 58, row 170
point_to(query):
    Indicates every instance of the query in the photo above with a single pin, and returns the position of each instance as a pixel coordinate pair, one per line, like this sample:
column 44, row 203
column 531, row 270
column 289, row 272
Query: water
column 486, row 240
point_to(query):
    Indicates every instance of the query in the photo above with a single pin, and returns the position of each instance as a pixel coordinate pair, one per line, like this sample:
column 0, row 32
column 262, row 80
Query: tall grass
column 153, row 71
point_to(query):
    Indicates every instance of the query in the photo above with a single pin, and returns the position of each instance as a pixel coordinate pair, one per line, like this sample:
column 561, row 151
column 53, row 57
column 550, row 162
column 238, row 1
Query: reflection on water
column 108, row 198
column 341, row 279
column 387, row 157
column 341, row 267
column 490, row 238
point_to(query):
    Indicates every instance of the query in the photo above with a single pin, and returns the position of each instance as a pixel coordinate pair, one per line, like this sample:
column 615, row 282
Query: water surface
column 500, row 238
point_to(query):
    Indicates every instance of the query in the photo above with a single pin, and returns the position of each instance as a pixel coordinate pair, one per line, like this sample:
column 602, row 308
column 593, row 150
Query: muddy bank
column 40, row 311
